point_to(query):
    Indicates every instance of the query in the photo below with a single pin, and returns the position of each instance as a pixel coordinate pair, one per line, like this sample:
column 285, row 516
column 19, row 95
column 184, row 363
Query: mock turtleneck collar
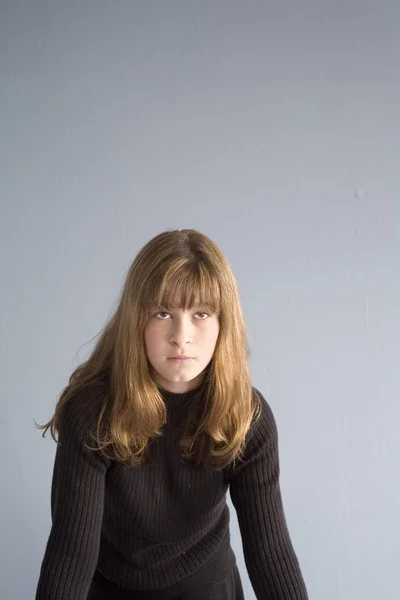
column 180, row 396
column 178, row 405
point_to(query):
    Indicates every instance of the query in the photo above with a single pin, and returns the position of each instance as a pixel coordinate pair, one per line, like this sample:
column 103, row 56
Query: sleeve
column 77, row 500
column 270, row 559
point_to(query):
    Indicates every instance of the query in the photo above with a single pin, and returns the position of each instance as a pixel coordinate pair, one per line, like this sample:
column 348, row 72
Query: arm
column 77, row 497
column 270, row 559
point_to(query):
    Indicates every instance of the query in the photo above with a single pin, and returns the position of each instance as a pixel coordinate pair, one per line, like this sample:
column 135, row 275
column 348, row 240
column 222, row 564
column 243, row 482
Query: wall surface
column 274, row 128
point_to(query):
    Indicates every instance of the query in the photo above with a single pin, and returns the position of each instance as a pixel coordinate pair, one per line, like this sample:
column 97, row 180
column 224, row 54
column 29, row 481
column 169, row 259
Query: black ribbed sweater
column 148, row 527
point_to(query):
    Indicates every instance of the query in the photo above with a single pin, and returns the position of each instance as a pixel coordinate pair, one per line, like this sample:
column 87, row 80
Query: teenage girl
column 153, row 429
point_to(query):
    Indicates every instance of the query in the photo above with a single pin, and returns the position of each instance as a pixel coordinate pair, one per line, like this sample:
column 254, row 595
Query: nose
column 181, row 332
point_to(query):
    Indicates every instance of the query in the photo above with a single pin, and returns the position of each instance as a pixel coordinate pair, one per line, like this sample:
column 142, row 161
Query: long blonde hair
column 174, row 268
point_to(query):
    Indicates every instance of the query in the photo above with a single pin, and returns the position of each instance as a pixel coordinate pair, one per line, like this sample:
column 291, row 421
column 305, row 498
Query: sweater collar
column 180, row 397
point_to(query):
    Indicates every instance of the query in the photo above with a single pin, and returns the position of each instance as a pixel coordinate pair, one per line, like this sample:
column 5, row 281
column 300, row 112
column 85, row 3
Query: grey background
column 273, row 127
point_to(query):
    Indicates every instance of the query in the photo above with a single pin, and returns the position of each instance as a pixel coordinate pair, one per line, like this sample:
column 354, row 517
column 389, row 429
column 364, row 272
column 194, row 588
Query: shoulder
column 80, row 413
column 262, row 438
column 265, row 423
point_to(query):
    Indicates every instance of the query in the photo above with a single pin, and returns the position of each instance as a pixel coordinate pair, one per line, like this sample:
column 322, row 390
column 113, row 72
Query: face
column 192, row 333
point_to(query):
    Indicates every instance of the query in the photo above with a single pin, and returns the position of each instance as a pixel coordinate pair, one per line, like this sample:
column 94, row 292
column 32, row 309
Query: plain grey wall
column 273, row 127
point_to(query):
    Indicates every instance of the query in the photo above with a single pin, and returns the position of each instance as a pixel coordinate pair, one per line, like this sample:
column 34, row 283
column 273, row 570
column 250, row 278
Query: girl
column 153, row 428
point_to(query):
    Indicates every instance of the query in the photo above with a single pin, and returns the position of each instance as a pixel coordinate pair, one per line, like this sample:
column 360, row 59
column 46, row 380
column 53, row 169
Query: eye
column 203, row 313
column 203, row 316
column 161, row 313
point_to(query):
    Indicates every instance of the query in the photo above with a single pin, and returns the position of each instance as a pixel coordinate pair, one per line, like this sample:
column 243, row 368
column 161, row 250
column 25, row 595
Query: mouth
column 179, row 358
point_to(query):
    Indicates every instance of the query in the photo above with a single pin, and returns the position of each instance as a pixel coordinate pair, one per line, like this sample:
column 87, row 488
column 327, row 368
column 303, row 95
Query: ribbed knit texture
column 148, row 527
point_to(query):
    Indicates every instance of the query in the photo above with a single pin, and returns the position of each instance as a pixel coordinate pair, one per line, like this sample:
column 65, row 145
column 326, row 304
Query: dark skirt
column 219, row 581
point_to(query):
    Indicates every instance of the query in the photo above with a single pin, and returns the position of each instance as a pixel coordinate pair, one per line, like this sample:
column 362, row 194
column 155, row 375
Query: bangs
column 185, row 287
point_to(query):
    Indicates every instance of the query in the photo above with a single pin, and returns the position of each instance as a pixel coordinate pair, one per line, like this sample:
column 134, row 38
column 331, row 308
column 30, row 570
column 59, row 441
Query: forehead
column 180, row 290
column 180, row 305
column 186, row 298
column 175, row 302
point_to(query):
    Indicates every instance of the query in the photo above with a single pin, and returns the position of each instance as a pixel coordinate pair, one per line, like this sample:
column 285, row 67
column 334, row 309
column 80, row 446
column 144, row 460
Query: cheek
column 148, row 336
column 152, row 335
column 216, row 331
column 212, row 337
